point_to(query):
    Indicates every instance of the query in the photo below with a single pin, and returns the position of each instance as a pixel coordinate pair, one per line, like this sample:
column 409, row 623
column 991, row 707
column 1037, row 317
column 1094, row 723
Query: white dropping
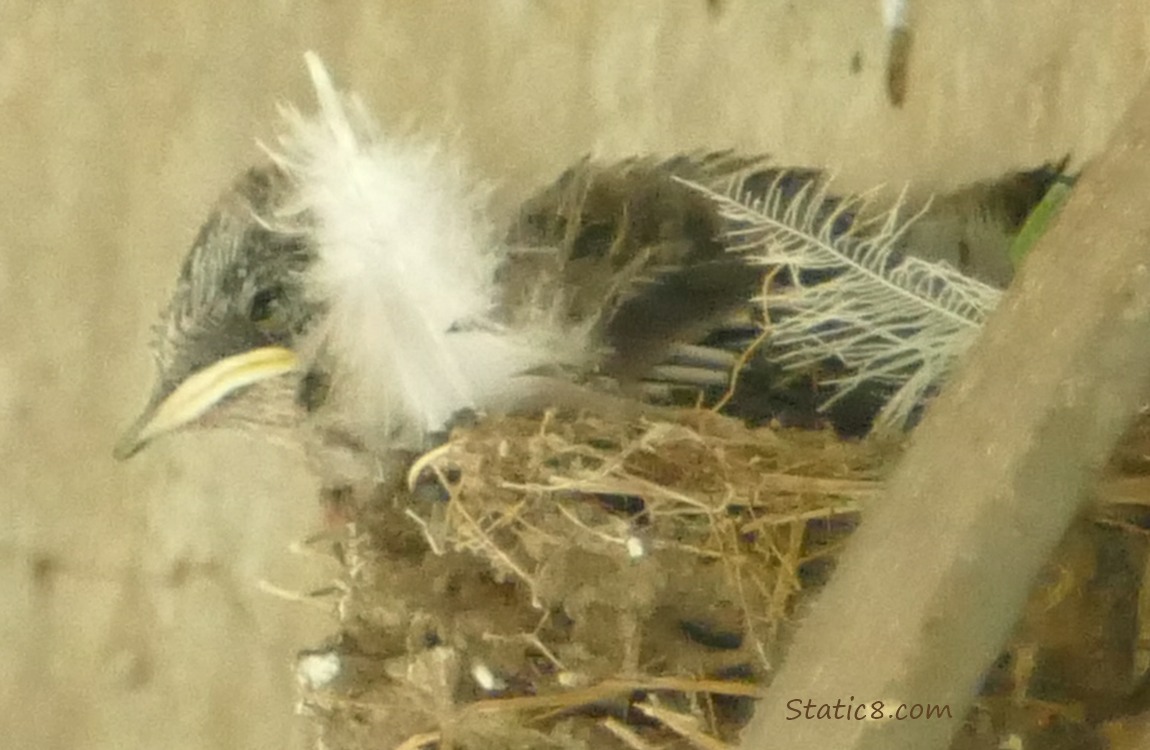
column 487, row 679
column 635, row 547
column 317, row 671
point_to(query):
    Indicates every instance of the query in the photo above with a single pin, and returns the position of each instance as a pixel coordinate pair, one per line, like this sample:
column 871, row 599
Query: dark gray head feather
column 240, row 286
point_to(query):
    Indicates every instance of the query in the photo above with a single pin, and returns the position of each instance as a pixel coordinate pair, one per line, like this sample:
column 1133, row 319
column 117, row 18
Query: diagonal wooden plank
column 936, row 577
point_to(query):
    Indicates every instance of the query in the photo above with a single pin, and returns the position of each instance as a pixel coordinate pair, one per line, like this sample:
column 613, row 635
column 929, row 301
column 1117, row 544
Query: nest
column 570, row 581
column 573, row 581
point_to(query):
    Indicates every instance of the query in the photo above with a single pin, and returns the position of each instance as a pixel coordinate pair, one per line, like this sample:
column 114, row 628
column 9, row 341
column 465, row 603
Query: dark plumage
column 636, row 252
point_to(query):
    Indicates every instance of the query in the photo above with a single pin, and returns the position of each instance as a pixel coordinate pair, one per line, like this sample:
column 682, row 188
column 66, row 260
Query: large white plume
column 404, row 270
column 852, row 296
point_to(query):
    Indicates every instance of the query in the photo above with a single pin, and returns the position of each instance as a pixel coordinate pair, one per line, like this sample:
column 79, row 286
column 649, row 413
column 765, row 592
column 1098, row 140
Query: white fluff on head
column 404, row 270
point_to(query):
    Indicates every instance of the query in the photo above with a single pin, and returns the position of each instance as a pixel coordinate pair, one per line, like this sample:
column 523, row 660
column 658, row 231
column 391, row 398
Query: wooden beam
column 933, row 582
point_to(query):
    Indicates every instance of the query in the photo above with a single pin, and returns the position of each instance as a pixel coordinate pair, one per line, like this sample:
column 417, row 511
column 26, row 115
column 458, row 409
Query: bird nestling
column 352, row 294
column 352, row 289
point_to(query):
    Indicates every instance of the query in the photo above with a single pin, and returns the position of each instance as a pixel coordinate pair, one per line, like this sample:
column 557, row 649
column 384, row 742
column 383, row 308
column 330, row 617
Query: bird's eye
column 265, row 304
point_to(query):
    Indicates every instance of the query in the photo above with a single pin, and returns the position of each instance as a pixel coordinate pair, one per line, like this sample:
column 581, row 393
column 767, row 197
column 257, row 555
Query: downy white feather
column 854, row 296
column 404, row 272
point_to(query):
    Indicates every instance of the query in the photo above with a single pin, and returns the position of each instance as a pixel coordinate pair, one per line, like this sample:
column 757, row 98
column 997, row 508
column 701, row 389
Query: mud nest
column 578, row 582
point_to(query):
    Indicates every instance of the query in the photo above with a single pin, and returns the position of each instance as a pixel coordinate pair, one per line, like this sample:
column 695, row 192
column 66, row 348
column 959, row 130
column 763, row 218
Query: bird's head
column 228, row 346
column 350, row 283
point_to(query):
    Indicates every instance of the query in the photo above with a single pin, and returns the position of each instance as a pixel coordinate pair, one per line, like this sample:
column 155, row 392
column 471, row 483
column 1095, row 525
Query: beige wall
column 129, row 612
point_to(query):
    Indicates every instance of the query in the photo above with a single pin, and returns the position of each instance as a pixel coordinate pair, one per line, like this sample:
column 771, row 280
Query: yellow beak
column 203, row 390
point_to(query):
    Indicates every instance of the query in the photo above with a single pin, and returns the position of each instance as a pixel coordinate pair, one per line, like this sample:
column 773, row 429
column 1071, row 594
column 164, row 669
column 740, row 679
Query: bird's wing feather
column 637, row 255
column 851, row 296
